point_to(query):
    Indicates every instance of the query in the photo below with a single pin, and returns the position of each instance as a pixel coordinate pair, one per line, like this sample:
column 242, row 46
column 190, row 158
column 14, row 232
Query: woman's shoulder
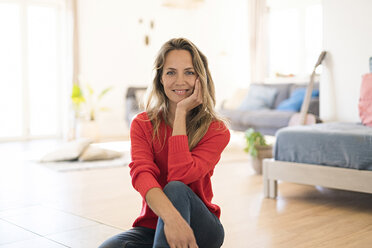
column 218, row 127
column 142, row 120
column 141, row 117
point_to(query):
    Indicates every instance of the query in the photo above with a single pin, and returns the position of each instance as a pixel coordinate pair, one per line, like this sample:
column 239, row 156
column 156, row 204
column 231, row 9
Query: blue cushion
column 294, row 102
column 258, row 97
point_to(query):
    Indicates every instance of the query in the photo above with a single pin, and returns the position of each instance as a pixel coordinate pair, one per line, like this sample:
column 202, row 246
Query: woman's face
column 179, row 76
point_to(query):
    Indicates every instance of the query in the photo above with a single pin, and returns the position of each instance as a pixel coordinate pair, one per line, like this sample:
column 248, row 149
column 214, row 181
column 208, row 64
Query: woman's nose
column 180, row 79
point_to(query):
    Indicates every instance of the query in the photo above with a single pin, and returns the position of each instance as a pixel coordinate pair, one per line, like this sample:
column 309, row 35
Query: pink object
column 365, row 100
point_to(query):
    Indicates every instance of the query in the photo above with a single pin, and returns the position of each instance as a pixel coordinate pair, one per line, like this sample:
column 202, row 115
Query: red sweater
column 155, row 163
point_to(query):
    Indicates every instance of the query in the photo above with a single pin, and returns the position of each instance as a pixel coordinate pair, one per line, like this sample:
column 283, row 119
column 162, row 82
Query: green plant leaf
column 104, row 92
column 253, row 139
column 90, row 89
column 77, row 95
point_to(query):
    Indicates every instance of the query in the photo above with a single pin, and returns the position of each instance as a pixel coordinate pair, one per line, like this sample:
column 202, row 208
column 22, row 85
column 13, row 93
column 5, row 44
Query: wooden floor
column 43, row 208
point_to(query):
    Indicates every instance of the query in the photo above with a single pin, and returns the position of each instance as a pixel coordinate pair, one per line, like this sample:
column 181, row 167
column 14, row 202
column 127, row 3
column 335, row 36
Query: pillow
column 68, row 151
column 259, row 97
column 365, row 100
column 294, row 102
column 97, row 153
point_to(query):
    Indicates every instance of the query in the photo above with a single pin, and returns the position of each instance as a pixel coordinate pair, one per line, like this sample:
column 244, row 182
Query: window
column 32, row 59
column 295, row 36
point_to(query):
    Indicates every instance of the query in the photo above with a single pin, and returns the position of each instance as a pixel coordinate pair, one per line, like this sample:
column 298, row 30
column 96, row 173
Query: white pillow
column 97, row 153
column 68, row 151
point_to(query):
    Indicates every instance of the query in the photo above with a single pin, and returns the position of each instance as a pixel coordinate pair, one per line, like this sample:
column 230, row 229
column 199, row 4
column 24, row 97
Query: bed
column 333, row 155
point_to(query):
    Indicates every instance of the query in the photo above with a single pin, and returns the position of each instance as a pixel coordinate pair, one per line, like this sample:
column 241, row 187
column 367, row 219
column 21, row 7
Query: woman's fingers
column 198, row 91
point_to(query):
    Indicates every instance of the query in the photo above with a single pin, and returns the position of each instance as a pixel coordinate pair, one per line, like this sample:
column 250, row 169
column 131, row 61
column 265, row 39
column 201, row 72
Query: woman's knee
column 176, row 189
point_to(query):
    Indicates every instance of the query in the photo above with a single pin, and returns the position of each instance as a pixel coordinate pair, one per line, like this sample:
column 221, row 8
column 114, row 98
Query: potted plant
column 86, row 104
column 257, row 149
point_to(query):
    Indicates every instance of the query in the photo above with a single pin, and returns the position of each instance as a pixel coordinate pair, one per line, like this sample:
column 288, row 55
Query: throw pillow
column 97, row 153
column 365, row 100
column 294, row 102
column 259, row 97
column 68, row 151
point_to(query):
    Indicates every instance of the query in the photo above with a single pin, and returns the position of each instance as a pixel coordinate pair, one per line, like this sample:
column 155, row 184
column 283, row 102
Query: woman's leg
column 207, row 228
column 137, row 237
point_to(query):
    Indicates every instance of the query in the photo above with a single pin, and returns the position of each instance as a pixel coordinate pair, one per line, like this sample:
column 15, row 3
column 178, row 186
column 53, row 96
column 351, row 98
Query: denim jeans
column 208, row 230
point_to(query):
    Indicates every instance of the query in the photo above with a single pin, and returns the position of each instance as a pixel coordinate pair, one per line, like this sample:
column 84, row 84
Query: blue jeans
column 208, row 230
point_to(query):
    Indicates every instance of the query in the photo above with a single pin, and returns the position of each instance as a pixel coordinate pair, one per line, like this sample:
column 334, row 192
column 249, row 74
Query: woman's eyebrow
column 189, row 68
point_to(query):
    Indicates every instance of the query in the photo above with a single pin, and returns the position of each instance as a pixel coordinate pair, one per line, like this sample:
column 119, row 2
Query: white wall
column 348, row 41
column 113, row 51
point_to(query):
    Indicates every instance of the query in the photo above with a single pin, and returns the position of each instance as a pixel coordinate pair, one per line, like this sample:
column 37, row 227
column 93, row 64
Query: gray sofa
column 268, row 120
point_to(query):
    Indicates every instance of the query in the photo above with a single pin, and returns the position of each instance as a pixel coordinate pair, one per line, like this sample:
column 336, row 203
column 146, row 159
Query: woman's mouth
column 180, row 92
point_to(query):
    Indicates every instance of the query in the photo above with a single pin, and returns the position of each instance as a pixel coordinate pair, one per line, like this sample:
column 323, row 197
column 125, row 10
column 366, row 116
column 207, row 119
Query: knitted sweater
column 155, row 162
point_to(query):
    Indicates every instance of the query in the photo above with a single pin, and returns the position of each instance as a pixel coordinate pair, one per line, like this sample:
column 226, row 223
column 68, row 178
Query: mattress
column 347, row 145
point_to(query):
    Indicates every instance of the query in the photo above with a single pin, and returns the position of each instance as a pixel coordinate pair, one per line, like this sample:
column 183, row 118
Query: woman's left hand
column 194, row 100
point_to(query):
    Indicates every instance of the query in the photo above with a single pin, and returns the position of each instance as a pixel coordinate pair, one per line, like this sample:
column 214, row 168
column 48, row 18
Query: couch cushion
column 295, row 101
column 283, row 92
column 259, row 120
column 93, row 153
column 259, row 97
column 69, row 151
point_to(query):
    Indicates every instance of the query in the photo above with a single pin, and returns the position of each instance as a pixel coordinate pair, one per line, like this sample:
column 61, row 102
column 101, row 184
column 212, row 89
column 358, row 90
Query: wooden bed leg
column 266, row 182
column 266, row 188
column 273, row 188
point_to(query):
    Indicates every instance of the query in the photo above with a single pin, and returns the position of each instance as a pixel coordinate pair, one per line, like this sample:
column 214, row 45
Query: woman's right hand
column 179, row 234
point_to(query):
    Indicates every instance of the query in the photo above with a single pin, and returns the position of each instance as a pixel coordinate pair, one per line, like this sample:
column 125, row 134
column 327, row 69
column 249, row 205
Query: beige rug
column 87, row 165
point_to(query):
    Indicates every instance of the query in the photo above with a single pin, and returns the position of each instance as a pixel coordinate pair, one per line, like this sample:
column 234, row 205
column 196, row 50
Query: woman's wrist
column 180, row 112
column 171, row 216
column 179, row 123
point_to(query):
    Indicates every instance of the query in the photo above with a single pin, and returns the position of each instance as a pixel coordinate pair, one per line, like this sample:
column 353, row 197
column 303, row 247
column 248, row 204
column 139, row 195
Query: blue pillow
column 258, row 97
column 295, row 101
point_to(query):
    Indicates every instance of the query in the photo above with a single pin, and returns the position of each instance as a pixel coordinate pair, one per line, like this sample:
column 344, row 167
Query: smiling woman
column 175, row 146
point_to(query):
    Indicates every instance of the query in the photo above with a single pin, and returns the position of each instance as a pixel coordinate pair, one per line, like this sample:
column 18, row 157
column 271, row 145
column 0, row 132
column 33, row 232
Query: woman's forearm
column 161, row 205
column 179, row 124
column 176, row 230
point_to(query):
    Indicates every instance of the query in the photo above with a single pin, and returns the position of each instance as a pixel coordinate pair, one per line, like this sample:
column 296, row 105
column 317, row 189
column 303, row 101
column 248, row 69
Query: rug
column 87, row 165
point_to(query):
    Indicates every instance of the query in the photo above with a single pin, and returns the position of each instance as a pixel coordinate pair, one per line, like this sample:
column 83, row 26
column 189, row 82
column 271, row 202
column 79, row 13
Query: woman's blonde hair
column 199, row 118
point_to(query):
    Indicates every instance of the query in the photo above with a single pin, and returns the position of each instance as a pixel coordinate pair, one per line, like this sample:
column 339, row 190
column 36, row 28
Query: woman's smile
column 180, row 92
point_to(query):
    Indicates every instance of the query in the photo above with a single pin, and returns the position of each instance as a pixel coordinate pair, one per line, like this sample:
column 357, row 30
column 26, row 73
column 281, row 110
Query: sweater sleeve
column 188, row 167
column 143, row 170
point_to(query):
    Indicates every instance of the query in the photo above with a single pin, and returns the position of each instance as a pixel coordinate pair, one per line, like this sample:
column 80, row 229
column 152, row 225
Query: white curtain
column 75, row 41
column 258, row 40
column 72, row 40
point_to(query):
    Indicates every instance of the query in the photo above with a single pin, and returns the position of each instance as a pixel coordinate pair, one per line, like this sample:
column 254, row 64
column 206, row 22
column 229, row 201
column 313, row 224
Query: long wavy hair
column 157, row 104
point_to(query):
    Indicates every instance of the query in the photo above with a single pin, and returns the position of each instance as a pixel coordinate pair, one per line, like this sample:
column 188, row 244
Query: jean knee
column 175, row 189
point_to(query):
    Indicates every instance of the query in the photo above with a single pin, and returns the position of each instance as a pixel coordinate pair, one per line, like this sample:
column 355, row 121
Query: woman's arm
column 190, row 166
column 186, row 166
column 183, row 107
column 177, row 231
column 143, row 170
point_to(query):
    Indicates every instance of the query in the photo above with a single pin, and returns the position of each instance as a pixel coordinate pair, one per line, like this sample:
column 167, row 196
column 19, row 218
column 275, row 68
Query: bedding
column 347, row 145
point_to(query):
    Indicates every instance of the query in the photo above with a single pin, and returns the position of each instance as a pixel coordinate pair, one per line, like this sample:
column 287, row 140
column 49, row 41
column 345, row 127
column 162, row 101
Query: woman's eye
column 170, row 73
column 190, row 73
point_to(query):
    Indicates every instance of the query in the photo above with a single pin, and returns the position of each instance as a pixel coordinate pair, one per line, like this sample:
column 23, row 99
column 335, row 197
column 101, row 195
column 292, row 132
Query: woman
column 176, row 144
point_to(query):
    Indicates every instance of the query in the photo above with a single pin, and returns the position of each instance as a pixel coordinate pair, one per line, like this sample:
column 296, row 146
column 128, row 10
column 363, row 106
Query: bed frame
column 312, row 174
